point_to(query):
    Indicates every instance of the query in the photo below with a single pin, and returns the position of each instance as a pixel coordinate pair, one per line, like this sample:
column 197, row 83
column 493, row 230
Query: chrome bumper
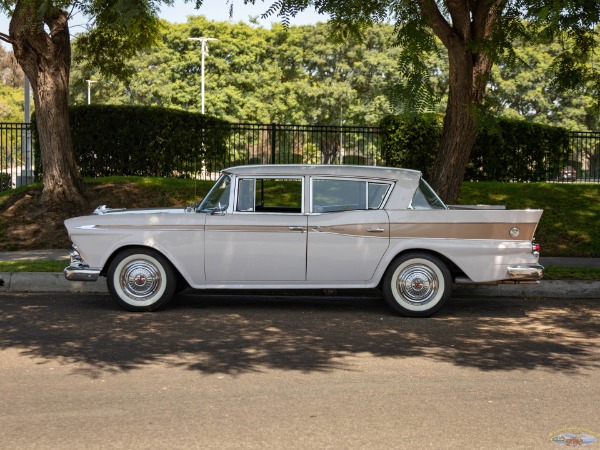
column 528, row 272
column 78, row 270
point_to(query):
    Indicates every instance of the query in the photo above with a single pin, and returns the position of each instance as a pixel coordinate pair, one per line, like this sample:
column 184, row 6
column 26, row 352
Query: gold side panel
column 500, row 231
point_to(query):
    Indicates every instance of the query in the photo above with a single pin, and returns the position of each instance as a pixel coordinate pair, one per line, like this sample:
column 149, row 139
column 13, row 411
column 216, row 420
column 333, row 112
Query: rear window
column 426, row 198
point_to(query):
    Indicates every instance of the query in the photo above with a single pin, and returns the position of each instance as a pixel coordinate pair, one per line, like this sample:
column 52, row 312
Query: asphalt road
column 235, row 372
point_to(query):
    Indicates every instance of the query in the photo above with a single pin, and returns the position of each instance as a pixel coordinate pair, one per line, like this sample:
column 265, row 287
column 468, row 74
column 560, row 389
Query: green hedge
column 5, row 181
column 505, row 150
column 411, row 141
column 515, row 150
column 142, row 141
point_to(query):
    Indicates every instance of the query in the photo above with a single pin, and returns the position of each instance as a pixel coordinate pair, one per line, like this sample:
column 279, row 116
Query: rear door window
column 331, row 195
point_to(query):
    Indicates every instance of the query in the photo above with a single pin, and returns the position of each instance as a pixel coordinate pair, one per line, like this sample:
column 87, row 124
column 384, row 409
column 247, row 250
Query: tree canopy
column 293, row 75
column 476, row 35
column 299, row 75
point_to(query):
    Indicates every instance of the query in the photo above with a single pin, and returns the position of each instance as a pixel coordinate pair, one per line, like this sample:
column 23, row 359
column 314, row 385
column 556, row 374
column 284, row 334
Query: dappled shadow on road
column 238, row 334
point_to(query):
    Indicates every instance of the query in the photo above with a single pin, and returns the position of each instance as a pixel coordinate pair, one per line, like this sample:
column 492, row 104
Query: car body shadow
column 239, row 333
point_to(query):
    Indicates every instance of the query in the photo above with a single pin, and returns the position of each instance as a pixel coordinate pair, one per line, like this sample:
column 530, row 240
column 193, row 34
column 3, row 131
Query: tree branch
column 485, row 15
column 436, row 20
column 461, row 18
column 6, row 38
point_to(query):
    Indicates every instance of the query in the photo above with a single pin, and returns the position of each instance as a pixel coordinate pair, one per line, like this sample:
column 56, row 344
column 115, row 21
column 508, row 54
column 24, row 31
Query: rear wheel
column 141, row 279
column 417, row 285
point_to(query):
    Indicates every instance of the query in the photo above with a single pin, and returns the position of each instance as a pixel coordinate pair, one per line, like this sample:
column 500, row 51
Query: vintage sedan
column 307, row 227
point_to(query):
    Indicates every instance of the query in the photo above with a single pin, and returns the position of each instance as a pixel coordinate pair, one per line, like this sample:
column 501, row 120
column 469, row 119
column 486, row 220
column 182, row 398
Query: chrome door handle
column 296, row 228
column 375, row 230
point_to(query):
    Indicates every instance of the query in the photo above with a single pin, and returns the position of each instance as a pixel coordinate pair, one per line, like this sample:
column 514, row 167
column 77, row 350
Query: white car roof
column 405, row 180
column 389, row 173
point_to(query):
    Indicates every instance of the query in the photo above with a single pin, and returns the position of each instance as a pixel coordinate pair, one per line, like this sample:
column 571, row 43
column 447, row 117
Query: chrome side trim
column 103, row 209
column 526, row 272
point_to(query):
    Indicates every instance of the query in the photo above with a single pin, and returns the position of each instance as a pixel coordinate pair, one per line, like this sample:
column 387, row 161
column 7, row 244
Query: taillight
column 535, row 249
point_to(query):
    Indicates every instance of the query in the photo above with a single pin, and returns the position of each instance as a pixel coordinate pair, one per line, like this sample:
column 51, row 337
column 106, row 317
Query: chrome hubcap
column 417, row 284
column 140, row 280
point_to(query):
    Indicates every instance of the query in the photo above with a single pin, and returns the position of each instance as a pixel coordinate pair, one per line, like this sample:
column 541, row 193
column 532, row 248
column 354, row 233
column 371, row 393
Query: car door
column 348, row 233
column 262, row 237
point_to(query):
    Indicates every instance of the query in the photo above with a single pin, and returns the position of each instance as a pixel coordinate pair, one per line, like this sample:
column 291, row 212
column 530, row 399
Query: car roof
column 390, row 173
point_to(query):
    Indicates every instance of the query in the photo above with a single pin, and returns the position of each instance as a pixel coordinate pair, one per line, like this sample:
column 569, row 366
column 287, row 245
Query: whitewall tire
column 417, row 284
column 141, row 279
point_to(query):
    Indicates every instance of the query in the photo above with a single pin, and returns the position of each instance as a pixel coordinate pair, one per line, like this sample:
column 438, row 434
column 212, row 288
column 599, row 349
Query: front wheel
column 141, row 279
column 417, row 285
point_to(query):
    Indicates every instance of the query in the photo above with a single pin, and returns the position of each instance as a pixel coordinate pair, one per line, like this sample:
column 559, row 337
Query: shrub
column 5, row 181
column 142, row 141
column 357, row 160
column 411, row 141
column 514, row 150
column 505, row 150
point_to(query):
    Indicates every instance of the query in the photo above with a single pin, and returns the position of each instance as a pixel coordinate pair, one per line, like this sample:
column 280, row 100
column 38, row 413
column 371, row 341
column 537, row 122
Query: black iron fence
column 287, row 144
column 16, row 157
column 583, row 159
column 298, row 144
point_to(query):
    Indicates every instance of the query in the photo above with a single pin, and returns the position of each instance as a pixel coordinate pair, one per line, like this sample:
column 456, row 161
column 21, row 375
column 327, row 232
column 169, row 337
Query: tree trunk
column 45, row 57
column 471, row 26
column 469, row 73
column 458, row 134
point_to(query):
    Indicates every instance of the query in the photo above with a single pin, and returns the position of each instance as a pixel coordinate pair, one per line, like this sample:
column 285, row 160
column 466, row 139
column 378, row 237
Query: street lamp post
column 204, row 50
column 89, row 83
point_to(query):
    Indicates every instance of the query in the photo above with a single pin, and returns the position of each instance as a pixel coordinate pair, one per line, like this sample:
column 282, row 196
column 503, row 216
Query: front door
column 262, row 238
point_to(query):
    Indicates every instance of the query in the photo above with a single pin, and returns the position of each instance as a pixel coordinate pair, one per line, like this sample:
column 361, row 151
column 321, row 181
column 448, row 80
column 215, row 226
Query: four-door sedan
column 307, row 227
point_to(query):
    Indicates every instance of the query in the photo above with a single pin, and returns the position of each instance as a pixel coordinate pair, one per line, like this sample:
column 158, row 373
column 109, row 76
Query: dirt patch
column 27, row 224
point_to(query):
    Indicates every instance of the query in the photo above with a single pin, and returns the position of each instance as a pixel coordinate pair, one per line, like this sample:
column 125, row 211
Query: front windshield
column 217, row 200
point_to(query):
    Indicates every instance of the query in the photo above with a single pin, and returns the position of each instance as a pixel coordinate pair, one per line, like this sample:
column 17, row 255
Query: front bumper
column 78, row 270
column 526, row 272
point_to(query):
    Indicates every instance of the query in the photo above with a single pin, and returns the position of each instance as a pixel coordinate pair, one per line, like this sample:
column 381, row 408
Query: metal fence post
column 273, row 142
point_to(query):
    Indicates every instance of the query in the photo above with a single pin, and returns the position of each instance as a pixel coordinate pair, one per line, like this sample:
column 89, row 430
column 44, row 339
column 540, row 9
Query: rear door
column 348, row 232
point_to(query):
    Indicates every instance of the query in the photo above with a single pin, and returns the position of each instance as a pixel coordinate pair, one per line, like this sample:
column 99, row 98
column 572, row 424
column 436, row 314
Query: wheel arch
column 114, row 254
column 452, row 267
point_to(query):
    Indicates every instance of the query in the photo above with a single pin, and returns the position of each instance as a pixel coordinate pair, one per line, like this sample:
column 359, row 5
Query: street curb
column 48, row 282
column 56, row 282
column 545, row 289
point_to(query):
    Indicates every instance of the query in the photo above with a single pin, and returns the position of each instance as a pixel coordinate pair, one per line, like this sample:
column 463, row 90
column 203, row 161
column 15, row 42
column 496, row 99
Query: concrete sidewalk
column 51, row 255
column 56, row 282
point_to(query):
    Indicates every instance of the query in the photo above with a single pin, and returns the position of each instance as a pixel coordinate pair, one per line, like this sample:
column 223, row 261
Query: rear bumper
column 526, row 272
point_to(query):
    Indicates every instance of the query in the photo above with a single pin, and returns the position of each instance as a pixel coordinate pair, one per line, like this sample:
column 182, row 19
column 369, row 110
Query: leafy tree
column 40, row 38
column 293, row 75
column 10, row 72
column 525, row 92
column 11, row 88
column 11, row 104
column 475, row 34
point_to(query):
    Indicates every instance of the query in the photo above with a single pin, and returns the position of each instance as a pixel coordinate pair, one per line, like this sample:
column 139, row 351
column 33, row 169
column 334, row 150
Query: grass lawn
column 570, row 223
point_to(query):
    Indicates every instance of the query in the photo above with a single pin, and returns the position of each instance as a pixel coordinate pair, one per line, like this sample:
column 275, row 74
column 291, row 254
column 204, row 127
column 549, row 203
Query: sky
column 217, row 10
